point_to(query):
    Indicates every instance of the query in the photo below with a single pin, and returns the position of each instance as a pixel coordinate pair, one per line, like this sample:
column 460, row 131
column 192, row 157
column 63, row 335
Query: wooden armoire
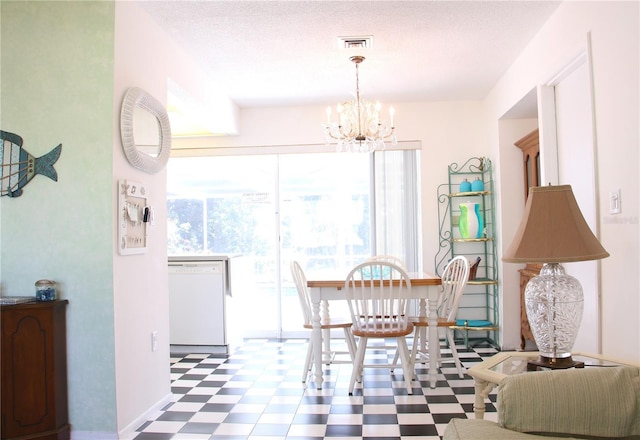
column 530, row 147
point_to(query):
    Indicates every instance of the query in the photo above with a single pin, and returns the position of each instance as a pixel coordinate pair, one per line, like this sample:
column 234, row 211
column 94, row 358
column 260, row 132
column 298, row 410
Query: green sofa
column 591, row 403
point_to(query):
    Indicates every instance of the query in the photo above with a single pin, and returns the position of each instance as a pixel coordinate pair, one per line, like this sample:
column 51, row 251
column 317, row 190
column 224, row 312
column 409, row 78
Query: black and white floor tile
column 256, row 392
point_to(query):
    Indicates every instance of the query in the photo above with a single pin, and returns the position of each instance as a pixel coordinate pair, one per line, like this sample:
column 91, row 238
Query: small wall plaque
column 133, row 218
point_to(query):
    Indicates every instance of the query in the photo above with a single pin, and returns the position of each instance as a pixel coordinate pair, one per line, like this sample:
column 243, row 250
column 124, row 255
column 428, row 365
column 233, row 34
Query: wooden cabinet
column 34, row 371
column 530, row 147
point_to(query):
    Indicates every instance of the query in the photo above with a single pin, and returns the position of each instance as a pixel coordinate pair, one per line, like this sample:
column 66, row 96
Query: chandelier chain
column 359, row 137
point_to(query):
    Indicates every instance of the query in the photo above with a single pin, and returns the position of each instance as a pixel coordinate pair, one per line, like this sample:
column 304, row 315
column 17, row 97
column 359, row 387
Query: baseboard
column 190, row 349
column 93, row 435
column 129, row 431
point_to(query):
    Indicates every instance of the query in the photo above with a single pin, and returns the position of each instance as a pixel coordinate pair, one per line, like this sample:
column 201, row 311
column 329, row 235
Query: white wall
column 140, row 281
column 613, row 31
column 144, row 57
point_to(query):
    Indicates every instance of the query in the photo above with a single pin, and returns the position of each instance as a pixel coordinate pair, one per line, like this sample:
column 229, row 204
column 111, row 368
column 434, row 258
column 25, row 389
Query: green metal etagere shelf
column 478, row 314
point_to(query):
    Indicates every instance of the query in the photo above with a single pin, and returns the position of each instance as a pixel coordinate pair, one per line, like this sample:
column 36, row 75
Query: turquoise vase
column 471, row 223
column 477, row 185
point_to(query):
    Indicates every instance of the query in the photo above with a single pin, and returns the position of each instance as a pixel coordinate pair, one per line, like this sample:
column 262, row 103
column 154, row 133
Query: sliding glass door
column 267, row 210
column 325, row 220
column 227, row 205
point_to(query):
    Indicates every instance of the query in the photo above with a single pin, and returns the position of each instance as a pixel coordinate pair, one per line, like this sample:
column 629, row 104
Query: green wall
column 57, row 87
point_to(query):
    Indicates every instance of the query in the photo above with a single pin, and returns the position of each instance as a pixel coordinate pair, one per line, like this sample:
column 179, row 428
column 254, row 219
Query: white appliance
column 198, row 287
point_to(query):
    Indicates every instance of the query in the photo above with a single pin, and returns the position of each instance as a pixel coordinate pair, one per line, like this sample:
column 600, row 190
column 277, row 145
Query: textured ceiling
column 272, row 53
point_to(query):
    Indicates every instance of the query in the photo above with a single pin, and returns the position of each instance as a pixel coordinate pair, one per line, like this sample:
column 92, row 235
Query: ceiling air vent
column 365, row 42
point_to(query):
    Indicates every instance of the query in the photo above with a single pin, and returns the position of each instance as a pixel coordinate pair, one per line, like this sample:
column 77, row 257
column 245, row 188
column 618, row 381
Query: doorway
column 563, row 112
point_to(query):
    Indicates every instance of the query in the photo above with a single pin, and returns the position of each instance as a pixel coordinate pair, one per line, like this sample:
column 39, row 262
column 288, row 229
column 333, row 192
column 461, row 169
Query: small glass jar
column 46, row 290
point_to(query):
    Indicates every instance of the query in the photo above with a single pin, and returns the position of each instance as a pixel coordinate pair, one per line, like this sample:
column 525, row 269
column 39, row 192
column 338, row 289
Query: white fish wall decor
column 19, row 166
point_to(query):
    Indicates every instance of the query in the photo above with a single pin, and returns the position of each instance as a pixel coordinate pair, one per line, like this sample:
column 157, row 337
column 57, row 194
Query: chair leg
column 361, row 359
column 396, row 355
column 307, row 362
column 413, row 356
column 454, row 352
column 405, row 359
column 351, row 343
column 394, row 362
column 422, row 343
column 358, row 363
column 437, row 349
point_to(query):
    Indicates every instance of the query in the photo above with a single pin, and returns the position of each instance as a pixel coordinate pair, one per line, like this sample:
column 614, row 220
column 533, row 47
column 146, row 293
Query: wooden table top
column 417, row 279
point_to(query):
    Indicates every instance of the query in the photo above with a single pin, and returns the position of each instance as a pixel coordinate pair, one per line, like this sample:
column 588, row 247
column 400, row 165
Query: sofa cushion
column 589, row 402
column 470, row 429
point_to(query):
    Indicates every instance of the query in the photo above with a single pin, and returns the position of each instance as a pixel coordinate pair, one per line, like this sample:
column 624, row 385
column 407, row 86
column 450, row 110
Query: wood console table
column 34, row 371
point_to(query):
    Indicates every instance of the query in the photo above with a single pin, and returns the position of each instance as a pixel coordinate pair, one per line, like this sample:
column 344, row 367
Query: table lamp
column 553, row 231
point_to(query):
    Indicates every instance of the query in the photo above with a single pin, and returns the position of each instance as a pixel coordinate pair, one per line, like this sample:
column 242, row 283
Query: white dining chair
column 398, row 262
column 378, row 295
column 389, row 259
column 454, row 280
column 329, row 356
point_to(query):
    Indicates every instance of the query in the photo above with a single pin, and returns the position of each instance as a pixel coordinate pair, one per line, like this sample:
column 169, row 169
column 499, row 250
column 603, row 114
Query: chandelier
column 359, row 128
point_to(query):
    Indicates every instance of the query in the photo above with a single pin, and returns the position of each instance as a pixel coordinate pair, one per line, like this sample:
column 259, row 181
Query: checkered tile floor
column 257, row 393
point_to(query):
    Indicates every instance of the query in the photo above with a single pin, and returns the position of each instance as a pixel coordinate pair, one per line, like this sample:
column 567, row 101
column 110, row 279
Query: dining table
column 424, row 287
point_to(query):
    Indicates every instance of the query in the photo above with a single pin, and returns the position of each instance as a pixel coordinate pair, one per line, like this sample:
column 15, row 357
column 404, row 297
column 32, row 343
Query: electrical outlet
column 154, row 340
column 615, row 202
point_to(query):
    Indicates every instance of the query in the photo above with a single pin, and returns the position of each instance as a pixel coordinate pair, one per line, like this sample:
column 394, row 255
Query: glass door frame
column 279, row 272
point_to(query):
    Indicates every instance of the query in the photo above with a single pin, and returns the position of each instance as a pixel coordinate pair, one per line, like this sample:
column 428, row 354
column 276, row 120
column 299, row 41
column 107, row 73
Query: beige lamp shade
column 553, row 230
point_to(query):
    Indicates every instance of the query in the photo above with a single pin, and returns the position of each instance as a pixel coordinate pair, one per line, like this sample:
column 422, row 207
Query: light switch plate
column 615, row 206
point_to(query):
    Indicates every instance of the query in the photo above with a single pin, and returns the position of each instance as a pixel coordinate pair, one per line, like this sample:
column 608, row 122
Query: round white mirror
column 145, row 131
